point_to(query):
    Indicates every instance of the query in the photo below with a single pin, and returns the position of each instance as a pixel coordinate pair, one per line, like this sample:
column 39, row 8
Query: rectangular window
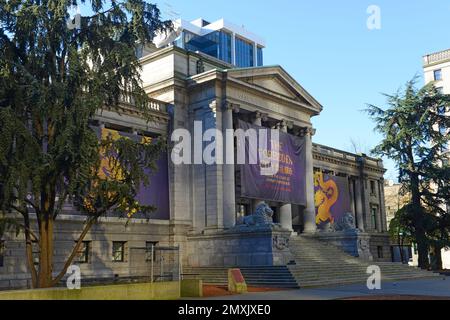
column 118, row 251
column 380, row 252
column 260, row 61
column 148, row 246
column 2, row 253
column 215, row 44
column 437, row 75
column 84, row 252
column 374, row 212
column 244, row 53
column 372, row 188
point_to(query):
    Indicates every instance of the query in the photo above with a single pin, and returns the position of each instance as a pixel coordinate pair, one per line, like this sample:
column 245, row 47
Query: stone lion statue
column 263, row 216
column 347, row 222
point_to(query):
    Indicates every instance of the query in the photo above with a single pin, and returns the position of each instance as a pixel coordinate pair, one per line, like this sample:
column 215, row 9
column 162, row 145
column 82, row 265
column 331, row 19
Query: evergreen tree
column 415, row 135
column 54, row 79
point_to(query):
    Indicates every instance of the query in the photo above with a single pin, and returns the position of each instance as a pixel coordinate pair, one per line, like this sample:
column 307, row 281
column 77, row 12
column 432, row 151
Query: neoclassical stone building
column 203, row 202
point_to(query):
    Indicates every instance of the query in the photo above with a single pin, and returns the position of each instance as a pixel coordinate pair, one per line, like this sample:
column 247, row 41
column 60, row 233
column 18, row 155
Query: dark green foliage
column 415, row 135
column 52, row 82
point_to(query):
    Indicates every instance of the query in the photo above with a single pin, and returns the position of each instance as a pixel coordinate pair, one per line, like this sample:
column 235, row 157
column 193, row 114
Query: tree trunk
column 400, row 243
column 418, row 220
column 422, row 248
column 29, row 251
column 72, row 256
column 46, row 253
column 438, row 257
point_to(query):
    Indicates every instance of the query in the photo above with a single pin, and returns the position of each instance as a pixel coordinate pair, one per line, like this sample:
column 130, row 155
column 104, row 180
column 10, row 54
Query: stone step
column 360, row 271
column 273, row 277
column 318, row 263
column 333, row 282
column 362, row 276
column 315, row 267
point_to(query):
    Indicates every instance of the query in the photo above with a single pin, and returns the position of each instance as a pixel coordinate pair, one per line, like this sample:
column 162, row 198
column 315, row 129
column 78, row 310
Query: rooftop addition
column 220, row 39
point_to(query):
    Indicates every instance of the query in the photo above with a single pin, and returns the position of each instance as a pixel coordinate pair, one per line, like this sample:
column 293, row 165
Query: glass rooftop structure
column 221, row 39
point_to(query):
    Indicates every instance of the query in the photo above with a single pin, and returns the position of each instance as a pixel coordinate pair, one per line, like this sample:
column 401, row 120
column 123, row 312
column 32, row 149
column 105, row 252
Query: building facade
column 204, row 202
column 401, row 250
column 436, row 69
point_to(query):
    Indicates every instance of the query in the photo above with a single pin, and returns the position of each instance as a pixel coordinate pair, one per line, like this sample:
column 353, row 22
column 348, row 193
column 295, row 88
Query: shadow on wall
column 99, row 267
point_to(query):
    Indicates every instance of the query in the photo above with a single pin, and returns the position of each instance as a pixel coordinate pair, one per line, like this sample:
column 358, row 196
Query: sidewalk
column 433, row 288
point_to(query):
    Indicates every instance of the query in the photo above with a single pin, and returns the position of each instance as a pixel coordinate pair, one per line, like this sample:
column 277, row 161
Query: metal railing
column 156, row 263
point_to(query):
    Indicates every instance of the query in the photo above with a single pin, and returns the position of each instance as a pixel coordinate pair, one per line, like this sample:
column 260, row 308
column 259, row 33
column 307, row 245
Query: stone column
column 285, row 209
column 359, row 205
column 366, row 203
column 309, row 214
column 257, row 121
column 352, row 196
column 259, row 117
column 382, row 211
column 286, row 217
column 229, row 183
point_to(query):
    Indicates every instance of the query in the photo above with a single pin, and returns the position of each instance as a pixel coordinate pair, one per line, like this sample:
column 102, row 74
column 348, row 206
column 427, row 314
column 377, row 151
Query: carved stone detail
column 263, row 216
column 231, row 106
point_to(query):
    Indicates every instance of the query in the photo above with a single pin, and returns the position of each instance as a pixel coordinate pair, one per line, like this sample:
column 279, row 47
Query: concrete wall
column 191, row 288
column 14, row 273
column 239, row 248
column 142, row 291
column 360, row 244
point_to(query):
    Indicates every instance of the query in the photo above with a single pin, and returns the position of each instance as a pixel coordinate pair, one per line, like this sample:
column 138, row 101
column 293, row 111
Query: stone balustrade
column 153, row 104
column 436, row 57
column 324, row 150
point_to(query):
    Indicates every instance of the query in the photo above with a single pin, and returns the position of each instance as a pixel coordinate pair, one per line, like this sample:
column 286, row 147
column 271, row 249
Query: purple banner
column 331, row 198
column 288, row 185
column 157, row 192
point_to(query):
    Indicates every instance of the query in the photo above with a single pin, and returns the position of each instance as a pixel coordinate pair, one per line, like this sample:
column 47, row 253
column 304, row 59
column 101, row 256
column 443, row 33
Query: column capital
column 289, row 124
column 280, row 125
column 234, row 107
column 307, row 131
column 311, row 131
column 260, row 115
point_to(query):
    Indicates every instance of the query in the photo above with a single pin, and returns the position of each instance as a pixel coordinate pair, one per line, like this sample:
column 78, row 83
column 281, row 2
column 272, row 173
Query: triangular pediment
column 275, row 79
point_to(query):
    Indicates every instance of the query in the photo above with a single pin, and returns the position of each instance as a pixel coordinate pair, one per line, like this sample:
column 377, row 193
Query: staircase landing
column 315, row 264
column 319, row 263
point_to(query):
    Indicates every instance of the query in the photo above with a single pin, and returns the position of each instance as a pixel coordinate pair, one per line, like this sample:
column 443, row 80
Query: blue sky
column 326, row 46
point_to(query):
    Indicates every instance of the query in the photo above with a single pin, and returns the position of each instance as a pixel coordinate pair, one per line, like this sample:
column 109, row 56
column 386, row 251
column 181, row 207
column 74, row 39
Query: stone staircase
column 318, row 264
column 262, row 277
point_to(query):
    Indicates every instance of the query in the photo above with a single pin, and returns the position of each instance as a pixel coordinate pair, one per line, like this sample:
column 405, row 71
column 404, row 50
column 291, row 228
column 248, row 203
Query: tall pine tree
column 415, row 129
column 53, row 80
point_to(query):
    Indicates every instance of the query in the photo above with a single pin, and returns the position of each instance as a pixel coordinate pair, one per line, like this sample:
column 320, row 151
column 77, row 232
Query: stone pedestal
column 353, row 242
column 240, row 247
